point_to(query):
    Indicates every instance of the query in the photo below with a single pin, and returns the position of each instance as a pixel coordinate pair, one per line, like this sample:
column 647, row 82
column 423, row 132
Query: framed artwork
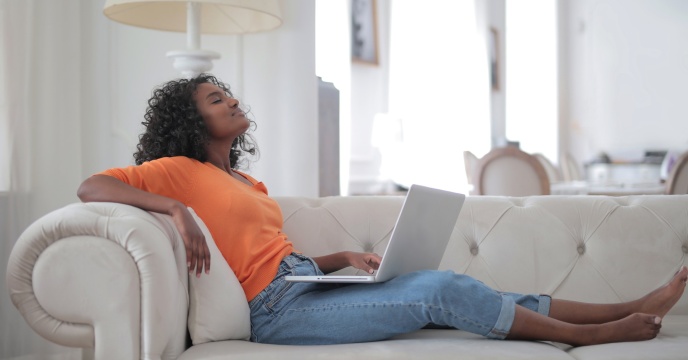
column 363, row 31
column 493, row 47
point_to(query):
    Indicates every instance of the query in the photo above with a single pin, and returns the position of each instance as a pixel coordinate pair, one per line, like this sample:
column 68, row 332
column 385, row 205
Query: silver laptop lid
column 422, row 231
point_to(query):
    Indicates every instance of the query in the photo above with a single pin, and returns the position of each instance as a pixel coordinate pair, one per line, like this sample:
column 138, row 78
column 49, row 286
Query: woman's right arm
column 103, row 188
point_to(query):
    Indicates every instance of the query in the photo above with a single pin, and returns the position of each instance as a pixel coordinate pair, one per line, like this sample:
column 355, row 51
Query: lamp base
column 192, row 63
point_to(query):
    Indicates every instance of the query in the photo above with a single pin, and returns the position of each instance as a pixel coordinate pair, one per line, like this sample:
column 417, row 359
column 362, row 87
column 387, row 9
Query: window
column 428, row 93
column 439, row 88
column 531, row 76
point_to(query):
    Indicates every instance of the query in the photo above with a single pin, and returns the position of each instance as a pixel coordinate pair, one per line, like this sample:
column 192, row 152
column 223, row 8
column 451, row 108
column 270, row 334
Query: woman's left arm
column 368, row 262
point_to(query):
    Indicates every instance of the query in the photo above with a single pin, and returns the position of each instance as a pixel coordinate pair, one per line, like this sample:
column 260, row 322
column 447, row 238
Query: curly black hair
column 174, row 126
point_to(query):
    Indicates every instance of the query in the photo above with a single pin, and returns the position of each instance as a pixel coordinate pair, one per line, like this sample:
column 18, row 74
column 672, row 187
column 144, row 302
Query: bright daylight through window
column 531, row 75
column 441, row 92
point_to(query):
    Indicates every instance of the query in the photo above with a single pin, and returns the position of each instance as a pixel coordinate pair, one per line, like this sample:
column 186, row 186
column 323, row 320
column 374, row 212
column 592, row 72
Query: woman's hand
column 368, row 262
column 197, row 252
column 107, row 188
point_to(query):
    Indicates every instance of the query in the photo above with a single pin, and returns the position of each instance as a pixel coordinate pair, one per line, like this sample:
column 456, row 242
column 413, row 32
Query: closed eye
column 215, row 97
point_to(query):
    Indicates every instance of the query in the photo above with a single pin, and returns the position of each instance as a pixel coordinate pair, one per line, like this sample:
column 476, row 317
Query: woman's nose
column 233, row 102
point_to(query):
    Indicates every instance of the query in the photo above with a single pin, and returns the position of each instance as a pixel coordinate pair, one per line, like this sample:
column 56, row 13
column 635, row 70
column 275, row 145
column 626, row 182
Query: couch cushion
column 670, row 344
column 422, row 344
column 217, row 304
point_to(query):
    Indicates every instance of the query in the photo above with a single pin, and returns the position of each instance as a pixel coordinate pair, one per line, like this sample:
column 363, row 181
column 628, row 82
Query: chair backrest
column 470, row 162
column 552, row 170
column 677, row 182
column 569, row 167
column 509, row 171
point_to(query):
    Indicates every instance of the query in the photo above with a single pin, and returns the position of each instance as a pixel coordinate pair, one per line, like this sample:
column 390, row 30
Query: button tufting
column 581, row 249
column 474, row 250
column 685, row 249
column 517, row 202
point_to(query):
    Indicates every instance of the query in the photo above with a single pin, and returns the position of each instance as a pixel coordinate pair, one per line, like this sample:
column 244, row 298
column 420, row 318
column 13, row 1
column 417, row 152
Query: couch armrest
column 103, row 275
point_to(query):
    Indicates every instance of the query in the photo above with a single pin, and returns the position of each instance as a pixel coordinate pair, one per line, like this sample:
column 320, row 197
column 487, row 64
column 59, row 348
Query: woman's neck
column 220, row 158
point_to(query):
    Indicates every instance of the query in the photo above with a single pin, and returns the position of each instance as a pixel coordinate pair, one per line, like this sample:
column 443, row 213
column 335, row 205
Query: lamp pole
column 193, row 61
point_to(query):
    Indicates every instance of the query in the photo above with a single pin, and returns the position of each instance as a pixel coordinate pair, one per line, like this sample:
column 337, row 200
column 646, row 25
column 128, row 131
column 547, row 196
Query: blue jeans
column 316, row 313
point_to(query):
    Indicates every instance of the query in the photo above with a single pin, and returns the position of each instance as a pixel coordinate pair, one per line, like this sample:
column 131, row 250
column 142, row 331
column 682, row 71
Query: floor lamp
column 195, row 17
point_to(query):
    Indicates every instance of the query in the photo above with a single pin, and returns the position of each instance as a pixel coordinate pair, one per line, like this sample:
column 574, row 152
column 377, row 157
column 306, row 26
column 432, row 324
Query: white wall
column 272, row 72
column 627, row 67
column 281, row 88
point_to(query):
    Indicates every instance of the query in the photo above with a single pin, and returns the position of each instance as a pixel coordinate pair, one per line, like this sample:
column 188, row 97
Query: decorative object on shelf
column 601, row 158
column 654, row 156
column 196, row 17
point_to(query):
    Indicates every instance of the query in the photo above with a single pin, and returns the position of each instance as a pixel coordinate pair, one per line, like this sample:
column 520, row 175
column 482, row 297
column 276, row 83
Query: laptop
column 418, row 241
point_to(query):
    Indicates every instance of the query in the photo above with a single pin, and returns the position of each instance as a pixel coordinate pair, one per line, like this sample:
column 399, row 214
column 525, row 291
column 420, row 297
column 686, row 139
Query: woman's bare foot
column 581, row 324
column 635, row 327
column 662, row 299
column 530, row 325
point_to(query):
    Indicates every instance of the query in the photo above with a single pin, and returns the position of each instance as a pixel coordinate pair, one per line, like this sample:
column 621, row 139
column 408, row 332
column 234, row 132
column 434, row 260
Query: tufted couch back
column 128, row 291
column 586, row 248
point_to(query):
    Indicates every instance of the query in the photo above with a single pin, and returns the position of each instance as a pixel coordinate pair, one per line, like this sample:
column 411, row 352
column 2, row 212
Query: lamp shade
column 216, row 16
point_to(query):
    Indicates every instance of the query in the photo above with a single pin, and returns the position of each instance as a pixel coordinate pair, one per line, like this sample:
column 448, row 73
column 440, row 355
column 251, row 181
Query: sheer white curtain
column 439, row 88
column 39, row 117
column 15, row 22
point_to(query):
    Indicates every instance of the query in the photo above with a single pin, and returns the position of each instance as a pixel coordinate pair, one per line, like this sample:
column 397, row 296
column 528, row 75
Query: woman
column 197, row 135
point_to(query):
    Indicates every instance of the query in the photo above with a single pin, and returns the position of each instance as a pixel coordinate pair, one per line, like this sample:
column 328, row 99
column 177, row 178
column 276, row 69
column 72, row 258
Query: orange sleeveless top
column 244, row 221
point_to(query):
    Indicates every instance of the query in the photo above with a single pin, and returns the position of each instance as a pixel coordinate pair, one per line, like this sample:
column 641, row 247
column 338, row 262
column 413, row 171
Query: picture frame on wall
column 364, row 31
column 493, row 48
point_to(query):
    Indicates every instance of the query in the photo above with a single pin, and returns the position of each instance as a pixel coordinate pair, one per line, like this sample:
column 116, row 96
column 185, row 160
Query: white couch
column 112, row 277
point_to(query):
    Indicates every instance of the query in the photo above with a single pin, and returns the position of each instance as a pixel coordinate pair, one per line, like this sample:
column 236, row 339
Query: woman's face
column 221, row 113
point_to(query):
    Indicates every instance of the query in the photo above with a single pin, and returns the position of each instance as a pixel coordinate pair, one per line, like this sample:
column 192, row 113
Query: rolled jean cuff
column 504, row 320
column 545, row 301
